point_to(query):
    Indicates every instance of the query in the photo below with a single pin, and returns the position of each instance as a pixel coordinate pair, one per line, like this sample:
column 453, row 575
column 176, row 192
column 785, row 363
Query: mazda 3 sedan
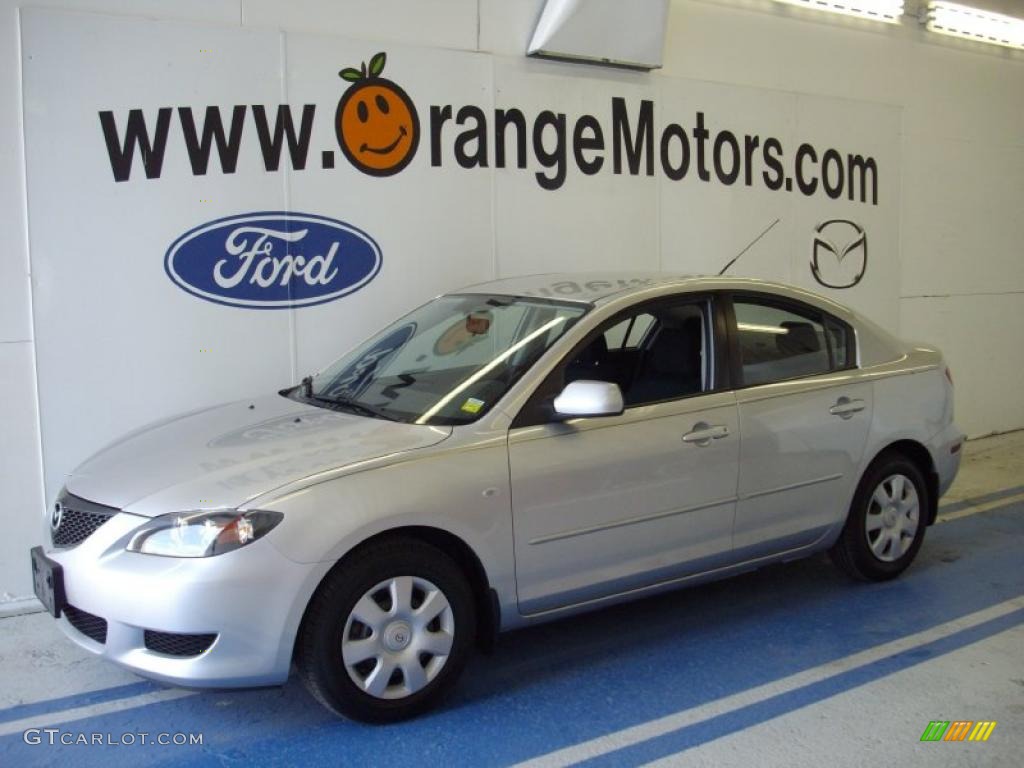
column 514, row 452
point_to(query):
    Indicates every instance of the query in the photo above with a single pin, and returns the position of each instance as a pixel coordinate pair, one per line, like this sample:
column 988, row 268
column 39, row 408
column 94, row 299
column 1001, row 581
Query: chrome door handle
column 845, row 407
column 703, row 433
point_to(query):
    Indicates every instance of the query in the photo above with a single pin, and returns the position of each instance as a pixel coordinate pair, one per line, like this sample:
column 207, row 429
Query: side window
column 654, row 355
column 630, row 332
column 840, row 343
column 673, row 360
column 778, row 344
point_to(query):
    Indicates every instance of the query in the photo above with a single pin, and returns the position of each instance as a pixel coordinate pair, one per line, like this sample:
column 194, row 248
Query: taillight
column 949, row 375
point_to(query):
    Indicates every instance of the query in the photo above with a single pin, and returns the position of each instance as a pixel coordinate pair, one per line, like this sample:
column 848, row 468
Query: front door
column 610, row 504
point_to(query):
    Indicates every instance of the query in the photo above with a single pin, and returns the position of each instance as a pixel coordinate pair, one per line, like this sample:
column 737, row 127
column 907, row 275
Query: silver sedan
column 514, row 452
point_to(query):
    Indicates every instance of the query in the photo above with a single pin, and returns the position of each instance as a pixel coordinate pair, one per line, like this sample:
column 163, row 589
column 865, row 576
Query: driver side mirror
column 589, row 398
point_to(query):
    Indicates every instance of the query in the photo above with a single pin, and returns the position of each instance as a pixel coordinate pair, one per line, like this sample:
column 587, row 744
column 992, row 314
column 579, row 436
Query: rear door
column 804, row 415
column 605, row 505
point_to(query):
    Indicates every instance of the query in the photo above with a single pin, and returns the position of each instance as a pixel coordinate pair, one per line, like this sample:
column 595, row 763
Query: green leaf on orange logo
column 350, row 74
column 377, row 63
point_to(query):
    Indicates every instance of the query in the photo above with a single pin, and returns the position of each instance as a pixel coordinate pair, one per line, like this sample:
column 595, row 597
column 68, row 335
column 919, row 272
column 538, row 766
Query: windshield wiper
column 305, row 391
column 353, row 405
column 365, row 409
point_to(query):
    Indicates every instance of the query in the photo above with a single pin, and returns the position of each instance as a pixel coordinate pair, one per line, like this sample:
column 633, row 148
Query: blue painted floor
column 553, row 686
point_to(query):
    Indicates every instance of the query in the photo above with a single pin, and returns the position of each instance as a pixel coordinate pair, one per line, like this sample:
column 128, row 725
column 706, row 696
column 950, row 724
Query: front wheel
column 885, row 527
column 388, row 631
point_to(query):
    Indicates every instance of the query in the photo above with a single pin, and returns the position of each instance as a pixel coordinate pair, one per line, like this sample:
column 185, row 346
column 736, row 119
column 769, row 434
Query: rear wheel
column 388, row 631
column 885, row 527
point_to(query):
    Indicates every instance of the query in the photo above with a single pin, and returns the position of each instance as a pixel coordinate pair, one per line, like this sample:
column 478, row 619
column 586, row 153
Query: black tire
column 318, row 646
column 853, row 552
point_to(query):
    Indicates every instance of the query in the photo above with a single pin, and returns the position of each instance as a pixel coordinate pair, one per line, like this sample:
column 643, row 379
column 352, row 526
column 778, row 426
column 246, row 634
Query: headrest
column 801, row 339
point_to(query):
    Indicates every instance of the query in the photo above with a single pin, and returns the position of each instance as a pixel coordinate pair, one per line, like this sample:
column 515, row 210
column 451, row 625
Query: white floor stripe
column 649, row 730
column 974, row 509
column 92, row 710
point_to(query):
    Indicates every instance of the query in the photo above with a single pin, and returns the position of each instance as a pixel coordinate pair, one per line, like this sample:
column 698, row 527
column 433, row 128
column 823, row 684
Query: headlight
column 201, row 534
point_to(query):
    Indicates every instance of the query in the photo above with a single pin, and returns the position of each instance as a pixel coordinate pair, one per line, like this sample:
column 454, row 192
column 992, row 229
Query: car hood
column 223, row 456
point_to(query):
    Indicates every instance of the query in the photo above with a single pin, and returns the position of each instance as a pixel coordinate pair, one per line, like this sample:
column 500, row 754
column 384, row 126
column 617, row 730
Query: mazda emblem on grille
column 74, row 519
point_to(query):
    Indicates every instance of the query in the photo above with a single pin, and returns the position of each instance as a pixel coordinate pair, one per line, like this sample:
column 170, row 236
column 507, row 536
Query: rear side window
column 778, row 343
column 840, row 343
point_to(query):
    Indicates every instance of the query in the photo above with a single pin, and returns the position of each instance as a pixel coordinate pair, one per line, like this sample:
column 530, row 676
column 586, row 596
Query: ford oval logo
column 273, row 260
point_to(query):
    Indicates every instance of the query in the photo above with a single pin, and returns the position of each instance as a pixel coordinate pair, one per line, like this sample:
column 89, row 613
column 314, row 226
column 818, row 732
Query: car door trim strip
column 791, row 486
column 631, row 521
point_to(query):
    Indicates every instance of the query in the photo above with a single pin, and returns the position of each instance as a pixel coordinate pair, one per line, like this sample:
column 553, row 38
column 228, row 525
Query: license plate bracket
column 48, row 582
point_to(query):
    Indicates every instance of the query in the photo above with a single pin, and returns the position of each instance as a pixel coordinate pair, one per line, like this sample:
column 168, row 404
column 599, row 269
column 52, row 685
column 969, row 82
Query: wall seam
column 287, row 184
column 901, row 215
column 494, row 175
column 41, row 490
column 966, row 294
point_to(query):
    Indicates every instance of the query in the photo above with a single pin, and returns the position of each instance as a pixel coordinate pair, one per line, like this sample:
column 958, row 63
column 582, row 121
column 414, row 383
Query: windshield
column 447, row 362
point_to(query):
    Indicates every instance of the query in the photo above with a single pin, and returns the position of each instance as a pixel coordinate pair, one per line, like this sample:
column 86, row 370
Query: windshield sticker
column 472, row 405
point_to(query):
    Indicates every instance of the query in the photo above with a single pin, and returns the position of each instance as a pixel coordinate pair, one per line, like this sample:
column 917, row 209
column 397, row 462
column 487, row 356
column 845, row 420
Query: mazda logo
column 840, row 253
column 57, row 516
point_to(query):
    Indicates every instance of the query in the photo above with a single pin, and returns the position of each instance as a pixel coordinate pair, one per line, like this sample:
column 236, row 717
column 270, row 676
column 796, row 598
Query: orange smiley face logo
column 377, row 125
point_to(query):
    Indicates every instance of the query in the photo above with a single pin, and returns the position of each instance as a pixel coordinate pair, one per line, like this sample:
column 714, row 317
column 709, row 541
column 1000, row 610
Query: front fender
column 463, row 491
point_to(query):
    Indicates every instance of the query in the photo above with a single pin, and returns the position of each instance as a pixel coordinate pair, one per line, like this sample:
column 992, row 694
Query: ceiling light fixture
column 888, row 11
column 974, row 24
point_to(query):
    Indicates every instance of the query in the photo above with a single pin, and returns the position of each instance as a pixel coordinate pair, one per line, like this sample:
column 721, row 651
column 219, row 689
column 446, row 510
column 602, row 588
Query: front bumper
column 251, row 598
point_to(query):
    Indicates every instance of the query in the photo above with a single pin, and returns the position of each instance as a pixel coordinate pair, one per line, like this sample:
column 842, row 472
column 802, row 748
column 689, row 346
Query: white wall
column 962, row 159
column 962, row 255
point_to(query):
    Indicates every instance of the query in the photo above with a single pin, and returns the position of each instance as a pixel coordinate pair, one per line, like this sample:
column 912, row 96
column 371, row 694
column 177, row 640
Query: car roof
column 584, row 287
column 595, row 288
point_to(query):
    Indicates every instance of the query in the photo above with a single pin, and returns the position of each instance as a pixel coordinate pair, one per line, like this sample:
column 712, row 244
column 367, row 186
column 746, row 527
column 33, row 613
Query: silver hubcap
column 398, row 637
column 892, row 518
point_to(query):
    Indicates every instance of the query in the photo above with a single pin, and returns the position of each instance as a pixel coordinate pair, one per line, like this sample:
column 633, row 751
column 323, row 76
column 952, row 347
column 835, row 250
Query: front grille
column 174, row 644
column 77, row 519
column 87, row 624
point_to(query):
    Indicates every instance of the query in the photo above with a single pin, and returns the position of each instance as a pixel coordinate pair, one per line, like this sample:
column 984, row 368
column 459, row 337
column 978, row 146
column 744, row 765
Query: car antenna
column 749, row 246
